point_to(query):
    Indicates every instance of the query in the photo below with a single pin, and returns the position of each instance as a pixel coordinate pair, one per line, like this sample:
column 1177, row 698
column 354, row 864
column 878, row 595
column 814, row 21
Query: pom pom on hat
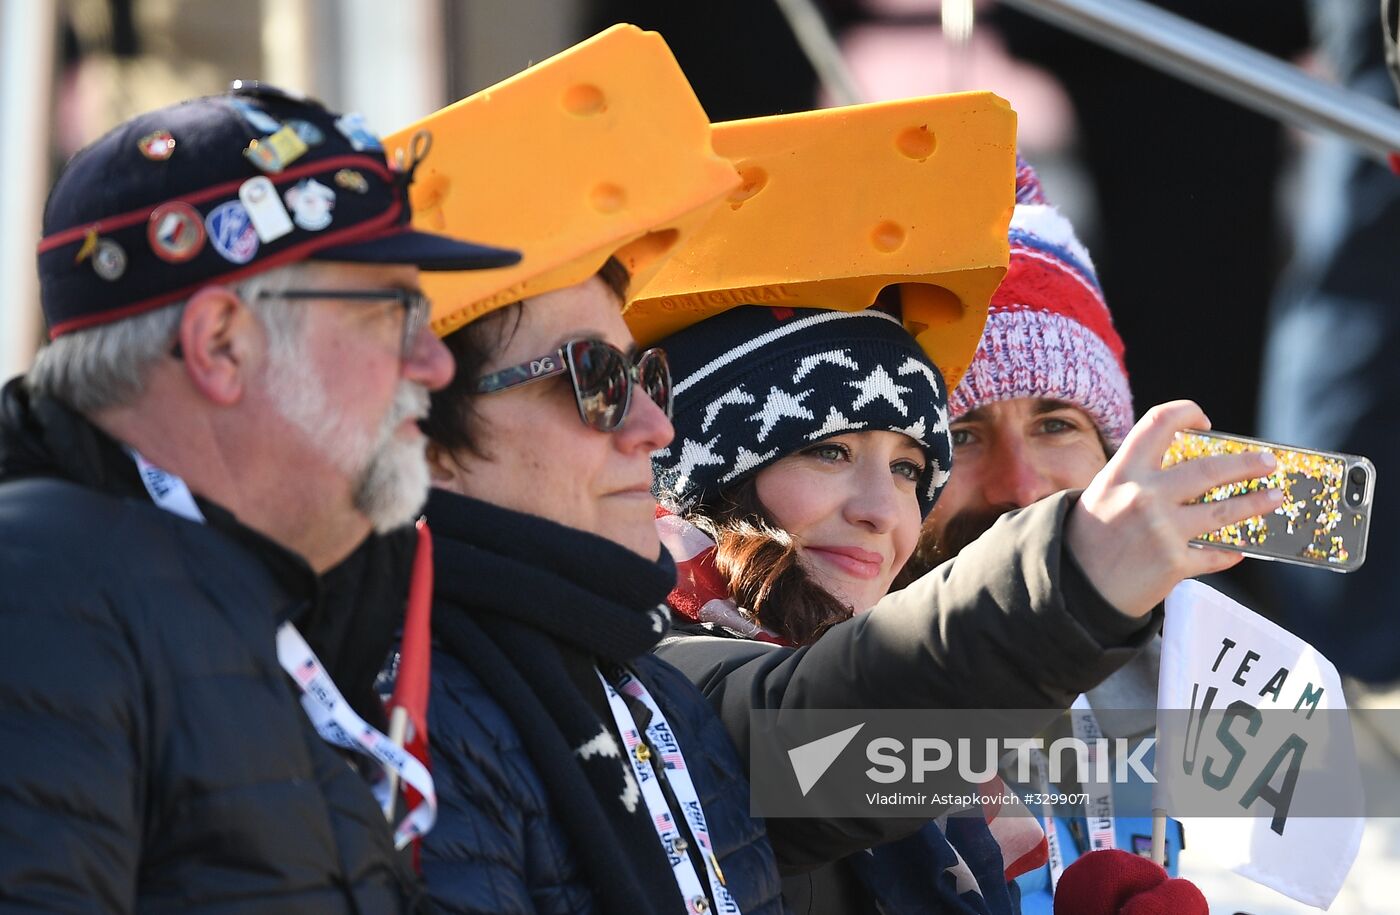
column 1049, row 333
column 1115, row 882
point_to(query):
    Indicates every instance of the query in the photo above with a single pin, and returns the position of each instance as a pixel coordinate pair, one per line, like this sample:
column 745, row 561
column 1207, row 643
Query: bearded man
column 191, row 481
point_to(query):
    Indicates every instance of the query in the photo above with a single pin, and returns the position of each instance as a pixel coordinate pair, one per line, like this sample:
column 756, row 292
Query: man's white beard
column 394, row 484
column 389, row 474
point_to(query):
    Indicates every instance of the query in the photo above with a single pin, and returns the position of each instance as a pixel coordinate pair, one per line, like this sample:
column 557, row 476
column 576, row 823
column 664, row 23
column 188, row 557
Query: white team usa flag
column 1265, row 736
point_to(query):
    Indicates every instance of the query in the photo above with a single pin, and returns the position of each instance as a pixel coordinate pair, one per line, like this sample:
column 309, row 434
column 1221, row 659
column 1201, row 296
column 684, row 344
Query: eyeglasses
column 602, row 377
column 416, row 306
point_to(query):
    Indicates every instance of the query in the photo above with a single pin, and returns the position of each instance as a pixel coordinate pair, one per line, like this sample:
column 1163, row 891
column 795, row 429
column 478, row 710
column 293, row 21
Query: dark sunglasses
column 602, row 377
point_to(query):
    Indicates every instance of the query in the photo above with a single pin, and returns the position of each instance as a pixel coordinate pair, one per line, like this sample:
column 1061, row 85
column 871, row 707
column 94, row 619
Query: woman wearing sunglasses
column 575, row 771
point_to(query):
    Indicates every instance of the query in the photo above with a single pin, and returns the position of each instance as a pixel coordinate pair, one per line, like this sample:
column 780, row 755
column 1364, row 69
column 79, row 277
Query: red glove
column 1114, row 882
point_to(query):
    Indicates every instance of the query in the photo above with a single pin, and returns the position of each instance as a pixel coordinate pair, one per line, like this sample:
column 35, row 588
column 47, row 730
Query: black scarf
column 531, row 607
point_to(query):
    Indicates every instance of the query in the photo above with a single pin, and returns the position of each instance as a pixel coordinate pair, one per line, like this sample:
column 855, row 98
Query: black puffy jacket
column 496, row 847
column 153, row 754
column 499, row 845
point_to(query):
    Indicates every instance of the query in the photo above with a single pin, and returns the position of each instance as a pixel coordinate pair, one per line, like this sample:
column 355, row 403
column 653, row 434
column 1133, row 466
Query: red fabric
column 1039, row 281
column 415, row 654
column 411, row 686
column 701, row 594
column 1115, row 882
column 1024, row 847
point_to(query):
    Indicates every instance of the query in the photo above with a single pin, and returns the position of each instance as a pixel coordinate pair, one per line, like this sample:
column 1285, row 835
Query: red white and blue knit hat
column 1049, row 333
column 754, row 384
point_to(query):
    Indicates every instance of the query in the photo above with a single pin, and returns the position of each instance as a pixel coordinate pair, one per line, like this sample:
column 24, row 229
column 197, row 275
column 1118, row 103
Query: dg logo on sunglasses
column 540, row 366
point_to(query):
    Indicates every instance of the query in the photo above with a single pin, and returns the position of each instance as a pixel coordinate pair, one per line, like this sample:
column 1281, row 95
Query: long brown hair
column 759, row 562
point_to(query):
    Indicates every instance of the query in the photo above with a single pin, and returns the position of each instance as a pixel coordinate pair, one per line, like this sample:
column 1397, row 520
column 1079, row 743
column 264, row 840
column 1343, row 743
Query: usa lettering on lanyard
column 1095, row 784
column 1099, row 810
column 332, row 716
column 661, row 737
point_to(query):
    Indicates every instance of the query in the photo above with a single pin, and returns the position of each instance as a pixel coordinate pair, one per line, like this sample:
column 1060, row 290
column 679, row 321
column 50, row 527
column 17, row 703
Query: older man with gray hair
column 191, row 478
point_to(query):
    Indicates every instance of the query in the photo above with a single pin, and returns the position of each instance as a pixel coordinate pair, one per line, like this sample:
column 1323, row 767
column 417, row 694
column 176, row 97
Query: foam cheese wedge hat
column 600, row 150
column 838, row 204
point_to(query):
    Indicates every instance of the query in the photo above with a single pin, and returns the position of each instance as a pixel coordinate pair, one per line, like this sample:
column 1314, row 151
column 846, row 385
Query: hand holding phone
column 1326, row 510
column 1130, row 531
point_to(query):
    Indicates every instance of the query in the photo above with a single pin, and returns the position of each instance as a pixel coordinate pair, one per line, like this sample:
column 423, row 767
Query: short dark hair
column 452, row 422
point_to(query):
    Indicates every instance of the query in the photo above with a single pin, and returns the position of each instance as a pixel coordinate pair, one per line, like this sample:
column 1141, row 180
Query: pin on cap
column 157, row 146
column 311, row 203
column 125, row 233
column 351, row 180
column 288, row 145
column 308, row 132
column 88, row 247
column 838, row 204
column 109, row 260
column 276, row 151
column 352, row 126
column 175, row 231
column 231, row 232
column 640, row 176
column 265, row 210
column 258, row 119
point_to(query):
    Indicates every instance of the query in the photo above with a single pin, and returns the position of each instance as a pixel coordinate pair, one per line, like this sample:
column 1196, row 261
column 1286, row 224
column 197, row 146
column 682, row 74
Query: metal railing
column 1228, row 68
column 1175, row 45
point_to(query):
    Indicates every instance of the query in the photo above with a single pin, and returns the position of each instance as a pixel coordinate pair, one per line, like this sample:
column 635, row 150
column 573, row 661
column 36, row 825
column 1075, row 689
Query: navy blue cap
column 217, row 189
column 755, row 384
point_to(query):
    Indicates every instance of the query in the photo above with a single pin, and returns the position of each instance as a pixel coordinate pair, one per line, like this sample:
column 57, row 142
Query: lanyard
column 1098, row 810
column 660, row 736
column 332, row 716
column 1096, row 786
column 1054, row 854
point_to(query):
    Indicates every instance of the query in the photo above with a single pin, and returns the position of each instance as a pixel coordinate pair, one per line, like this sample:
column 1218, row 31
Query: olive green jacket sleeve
column 1010, row 623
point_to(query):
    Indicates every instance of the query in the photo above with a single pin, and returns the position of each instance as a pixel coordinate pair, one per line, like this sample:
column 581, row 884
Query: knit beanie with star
column 754, row 384
column 1049, row 333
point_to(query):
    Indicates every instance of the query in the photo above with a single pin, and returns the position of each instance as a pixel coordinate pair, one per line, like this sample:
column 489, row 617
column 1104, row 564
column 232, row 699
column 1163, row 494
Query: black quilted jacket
column 154, row 756
column 499, row 848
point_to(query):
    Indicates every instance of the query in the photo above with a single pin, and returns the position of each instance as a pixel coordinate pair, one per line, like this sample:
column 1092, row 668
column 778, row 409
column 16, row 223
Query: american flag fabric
column 701, row 594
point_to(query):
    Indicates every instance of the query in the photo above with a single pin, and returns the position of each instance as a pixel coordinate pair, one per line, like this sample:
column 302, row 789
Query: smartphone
column 1326, row 510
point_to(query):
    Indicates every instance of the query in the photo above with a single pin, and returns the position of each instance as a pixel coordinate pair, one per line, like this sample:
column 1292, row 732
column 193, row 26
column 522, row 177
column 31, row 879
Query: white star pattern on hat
column 745, row 461
column 732, row 396
column 916, row 431
column 833, row 424
column 834, row 357
column 695, row 454
column 940, row 425
column 936, row 478
column 781, row 405
column 879, row 384
column 912, row 366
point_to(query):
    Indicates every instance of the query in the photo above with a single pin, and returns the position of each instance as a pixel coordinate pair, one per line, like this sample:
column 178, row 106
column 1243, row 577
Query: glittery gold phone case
column 1326, row 510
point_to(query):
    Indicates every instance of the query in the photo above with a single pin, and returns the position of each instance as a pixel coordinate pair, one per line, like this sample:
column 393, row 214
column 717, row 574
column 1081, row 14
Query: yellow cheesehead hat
column 601, row 150
column 838, row 204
